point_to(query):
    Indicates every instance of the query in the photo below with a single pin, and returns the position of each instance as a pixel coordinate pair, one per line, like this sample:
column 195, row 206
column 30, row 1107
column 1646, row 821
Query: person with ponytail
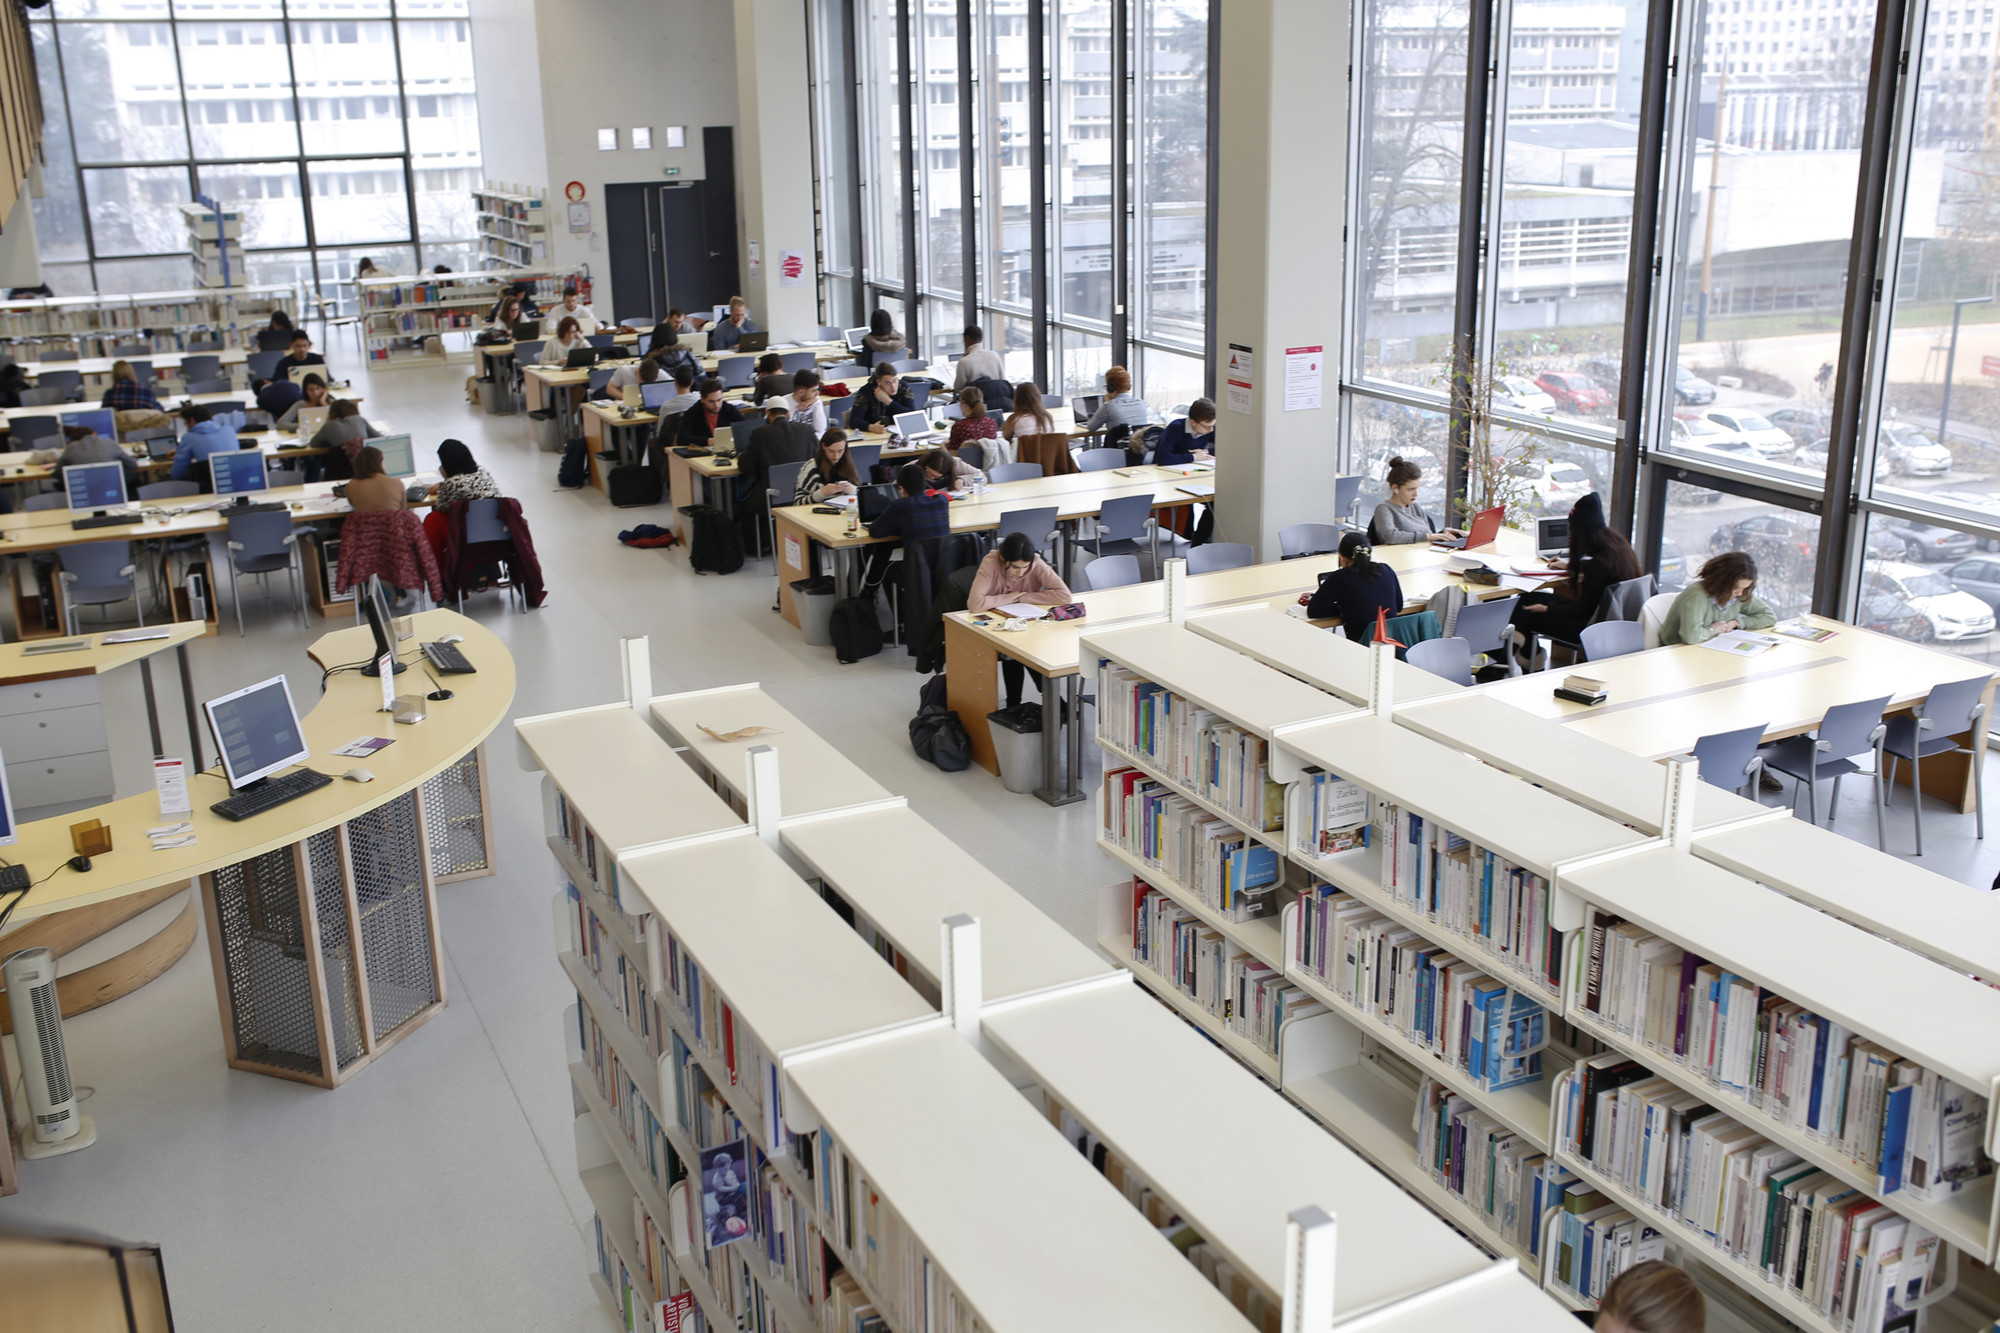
column 1356, row 591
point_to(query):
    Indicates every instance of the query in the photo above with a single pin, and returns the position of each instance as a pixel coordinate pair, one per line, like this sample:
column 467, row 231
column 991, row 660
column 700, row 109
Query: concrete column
column 775, row 165
column 20, row 261
column 1281, row 156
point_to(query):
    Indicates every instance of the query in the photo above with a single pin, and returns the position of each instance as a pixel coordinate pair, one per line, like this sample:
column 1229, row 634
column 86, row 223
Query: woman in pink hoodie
column 1016, row 573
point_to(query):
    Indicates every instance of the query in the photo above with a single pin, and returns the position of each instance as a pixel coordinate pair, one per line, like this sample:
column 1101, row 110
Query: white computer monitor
column 94, row 485
column 719, row 313
column 101, row 420
column 399, row 457
column 696, row 343
column 299, row 374
column 257, row 729
column 914, row 426
column 1551, row 536
column 238, row 471
column 8, row 837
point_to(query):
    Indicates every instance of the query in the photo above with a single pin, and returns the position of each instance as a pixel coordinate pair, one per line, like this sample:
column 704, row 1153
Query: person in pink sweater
column 1016, row 573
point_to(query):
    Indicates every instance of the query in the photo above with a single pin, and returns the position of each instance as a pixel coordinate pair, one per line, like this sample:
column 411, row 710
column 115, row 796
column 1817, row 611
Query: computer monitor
column 375, row 604
column 7, row 835
column 652, row 395
column 853, row 338
column 1551, row 536
column 238, row 472
column 101, row 420
column 95, row 485
column 399, row 458
column 718, row 313
column 257, row 729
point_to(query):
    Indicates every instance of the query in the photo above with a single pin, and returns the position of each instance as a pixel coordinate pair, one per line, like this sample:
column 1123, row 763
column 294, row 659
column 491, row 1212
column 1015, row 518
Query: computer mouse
column 439, row 695
column 358, row 775
column 452, row 638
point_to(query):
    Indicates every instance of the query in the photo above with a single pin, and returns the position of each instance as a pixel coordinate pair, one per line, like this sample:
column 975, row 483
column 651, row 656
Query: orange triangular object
column 1382, row 625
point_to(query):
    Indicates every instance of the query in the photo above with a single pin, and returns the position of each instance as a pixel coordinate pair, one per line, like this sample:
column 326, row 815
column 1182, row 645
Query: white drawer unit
column 53, row 742
column 69, row 692
column 62, row 780
column 51, row 732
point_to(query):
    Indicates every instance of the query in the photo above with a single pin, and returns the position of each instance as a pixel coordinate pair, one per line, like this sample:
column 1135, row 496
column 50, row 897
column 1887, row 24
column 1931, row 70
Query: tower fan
column 58, row 1127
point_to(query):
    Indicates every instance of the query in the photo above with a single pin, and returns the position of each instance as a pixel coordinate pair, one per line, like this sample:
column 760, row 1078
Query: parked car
column 1927, row 542
column 1883, row 610
column 1910, row 452
column 1692, row 432
column 1674, row 571
column 1554, row 483
column 1782, row 544
column 1575, row 392
column 1772, row 445
column 1979, row 576
column 1805, row 425
column 1985, row 507
column 1954, row 614
column 1813, row 457
column 1518, row 393
column 1691, row 388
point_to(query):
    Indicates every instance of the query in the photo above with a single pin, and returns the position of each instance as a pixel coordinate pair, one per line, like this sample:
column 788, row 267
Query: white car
column 1911, row 453
column 1770, row 442
column 1954, row 614
column 1554, row 483
column 1700, row 433
column 1518, row 393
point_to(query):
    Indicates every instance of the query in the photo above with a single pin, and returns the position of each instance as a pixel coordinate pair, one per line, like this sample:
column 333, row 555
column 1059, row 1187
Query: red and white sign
column 1238, row 378
column 1990, row 365
column 669, row 1314
column 1304, row 382
column 791, row 268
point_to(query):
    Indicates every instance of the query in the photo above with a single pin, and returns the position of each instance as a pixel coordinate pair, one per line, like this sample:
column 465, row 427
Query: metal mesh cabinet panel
column 455, row 813
column 336, row 947
column 263, row 965
column 386, row 850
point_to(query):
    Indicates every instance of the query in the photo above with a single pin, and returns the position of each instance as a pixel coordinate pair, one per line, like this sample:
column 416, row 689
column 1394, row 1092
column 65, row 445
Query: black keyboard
column 107, row 521
column 447, row 660
column 272, row 508
column 274, row 792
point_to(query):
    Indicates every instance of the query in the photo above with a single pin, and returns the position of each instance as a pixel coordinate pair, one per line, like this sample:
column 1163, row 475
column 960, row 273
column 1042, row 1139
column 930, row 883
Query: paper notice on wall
column 791, row 268
column 1303, row 378
column 756, row 260
column 1238, row 377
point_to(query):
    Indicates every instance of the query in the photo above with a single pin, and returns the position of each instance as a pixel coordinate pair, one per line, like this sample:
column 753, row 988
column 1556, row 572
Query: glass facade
column 340, row 130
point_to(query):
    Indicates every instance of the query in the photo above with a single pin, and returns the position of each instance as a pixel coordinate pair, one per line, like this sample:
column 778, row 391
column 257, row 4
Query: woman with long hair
column 1722, row 598
column 831, row 472
column 1354, row 592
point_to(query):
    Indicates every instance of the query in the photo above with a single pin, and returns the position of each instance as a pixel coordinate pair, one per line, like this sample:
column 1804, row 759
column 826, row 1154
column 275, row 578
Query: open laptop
column 399, row 458
column 697, row 343
column 754, row 342
column 632, row 398
column 311, row 419
column 1485, row 527
column 581, row 358
column 915, row 428
column 527, row 330
column 1085, row 405
column 1552, row 537
column 853, row 338
column 299, row 374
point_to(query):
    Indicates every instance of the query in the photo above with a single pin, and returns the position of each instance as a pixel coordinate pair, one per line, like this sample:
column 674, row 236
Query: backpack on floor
column 633, row 485
column 939, row 738
column 716, row 546
column 574, row 470
column 856, row 630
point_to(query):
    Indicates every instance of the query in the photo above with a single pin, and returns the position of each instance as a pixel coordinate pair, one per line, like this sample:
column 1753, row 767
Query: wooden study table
column 605, row 430
column 101, row 365
column 278, row 447
column 974, row 643
column 693, row 481
column 1665, row 699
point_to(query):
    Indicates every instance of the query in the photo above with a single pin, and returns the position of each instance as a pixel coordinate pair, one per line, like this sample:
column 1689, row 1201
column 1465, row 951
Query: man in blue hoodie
column 202, row 438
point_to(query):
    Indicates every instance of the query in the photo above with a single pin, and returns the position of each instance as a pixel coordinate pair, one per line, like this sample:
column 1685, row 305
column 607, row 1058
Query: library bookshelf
column 403, row 320
column 92, row 326
column 513, row 226
column 1600, row 837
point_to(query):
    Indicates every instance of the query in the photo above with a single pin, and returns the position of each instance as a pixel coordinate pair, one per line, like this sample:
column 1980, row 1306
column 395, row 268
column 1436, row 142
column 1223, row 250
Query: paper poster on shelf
column 1303, row 378
column 791, row 268
column 725, row 1193
column 1239, row 377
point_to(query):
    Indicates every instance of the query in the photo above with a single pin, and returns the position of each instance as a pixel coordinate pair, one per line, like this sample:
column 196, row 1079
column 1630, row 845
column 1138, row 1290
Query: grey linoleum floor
column 437, row 1189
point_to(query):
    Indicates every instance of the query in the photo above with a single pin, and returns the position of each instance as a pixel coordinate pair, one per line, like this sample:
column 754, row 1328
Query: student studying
column 1016, row 575
column 1722, row 598
column 1400, row 520
column 1355, row 591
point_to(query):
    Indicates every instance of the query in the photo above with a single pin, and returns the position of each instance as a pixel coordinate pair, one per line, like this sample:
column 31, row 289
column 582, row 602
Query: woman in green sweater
column 1722, row 598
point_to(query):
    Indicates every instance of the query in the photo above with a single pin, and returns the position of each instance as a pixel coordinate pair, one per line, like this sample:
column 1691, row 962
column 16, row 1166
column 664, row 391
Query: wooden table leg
column 593, row 440
column 971, row 690
column 794, row 562
column 680, row 493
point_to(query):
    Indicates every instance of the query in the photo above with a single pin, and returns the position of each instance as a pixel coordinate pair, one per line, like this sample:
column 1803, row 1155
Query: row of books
column 1248, row 998
column 1595, row 1242
column 1201, row 750
column 1447, row 1006
column 848, row 1309
column 1474, row 893
column 1334, row 816
column 1503, row 1178
column 575, row 830
column 520, row 207
column 631, row 1105
column 1848, row 1257
column 388, row 323
column 623, row 978
column 728, row 1046
column 1225, row 1276
column 914, row 1294
column 659, row 1242
column 1915, row 1129
column 632, row 1299
column 1228, row 870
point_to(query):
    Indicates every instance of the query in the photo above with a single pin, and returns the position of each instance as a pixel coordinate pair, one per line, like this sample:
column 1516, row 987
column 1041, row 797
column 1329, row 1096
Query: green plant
column 1499, row 457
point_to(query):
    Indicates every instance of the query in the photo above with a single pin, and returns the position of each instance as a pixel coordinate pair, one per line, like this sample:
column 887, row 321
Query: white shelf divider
column 1212, row 676
column 816, row 775
column 1325, row 659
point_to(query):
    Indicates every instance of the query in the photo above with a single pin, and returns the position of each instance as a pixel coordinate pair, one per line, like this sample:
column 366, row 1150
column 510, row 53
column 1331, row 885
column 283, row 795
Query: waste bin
column 813, row 599
column 545, row 430
column 1017, row 744
column 494, row 399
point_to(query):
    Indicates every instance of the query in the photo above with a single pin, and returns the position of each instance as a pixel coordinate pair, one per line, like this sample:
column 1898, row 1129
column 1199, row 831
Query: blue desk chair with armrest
column 98, row 574
column 865, row 457
column 1450, row 658
column 1014, row 472
column 1487, row 631
column 1729, row 759
column 262, row 544
column 1111, row 571
column 1931, row 729
column 202, row 368
column 1038, row 525
column 1612, row 638
column 1216, row 556
column 1846, row 731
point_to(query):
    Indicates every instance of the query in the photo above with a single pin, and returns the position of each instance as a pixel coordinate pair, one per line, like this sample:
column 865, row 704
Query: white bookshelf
column 404, row 319
column 93, row 325
column 211, row 232
column 513, row 226
column 816, row 775
column 1327, row 661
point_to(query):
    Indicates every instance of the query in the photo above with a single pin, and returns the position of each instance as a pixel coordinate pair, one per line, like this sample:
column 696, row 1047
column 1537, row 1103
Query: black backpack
column 716, row 547
column 574, row 470
column 633, row 485
column 856, row 631
column 939, row 737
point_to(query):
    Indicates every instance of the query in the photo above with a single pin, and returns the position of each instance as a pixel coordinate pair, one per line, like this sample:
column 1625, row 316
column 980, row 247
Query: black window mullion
column 968, row 202
column 906, row 99
column 1471, row 244
column 1211, row 236
column 305, row 175
column 1121, row 202
column 851, row 145
column 1038, row 186
column 409, row 166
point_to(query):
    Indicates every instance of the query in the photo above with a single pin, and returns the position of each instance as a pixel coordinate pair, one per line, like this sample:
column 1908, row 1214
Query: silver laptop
column 915, row 428
column 696, row 343
column 1552, row 537
column 853, row 337
column 310, row 420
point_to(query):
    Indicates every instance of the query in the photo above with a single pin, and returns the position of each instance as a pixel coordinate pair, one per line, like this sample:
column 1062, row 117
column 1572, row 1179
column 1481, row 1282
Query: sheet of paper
column 363, row 746
column 1023, row 611
column 170, row 781
column 1740, row 643
column 386, row 666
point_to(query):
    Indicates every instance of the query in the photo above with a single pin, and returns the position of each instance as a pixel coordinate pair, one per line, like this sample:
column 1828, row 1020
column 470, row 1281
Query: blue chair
column 45, row 397
column 736, row 372
column 909, row 366
column 1037, row 524
column 142, row 371
column 1729, row 759
column 847, row 370
column 920, row 394
column 1449, row 658
column 217, row 385
column 601, row 340
column 262, row 544
column 528, row 353
column 797, row 361
column 865, row 457
column 1101, row 460
column 1121, row 523
column 98, row 574
column 23, row 431
column 131, row 349
column 599, row 378
column 1302, row 539
column 1487, row 628
column 49, row 500
column 1846, row 730
column 263, row 365
column 201, row 368
column 1014, row 472
column 69, row 381
column 1111, row 571
column 741, row 431
column 169, row 490
column 974, row 453
column 1932, row 728
column 484, row 529
column 1217, row 556
column 56, row 354
column 1612, row 638
column 205, row 345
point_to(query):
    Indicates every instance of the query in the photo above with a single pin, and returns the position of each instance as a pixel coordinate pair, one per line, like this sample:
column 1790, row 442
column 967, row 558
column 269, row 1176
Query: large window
column 341, row 129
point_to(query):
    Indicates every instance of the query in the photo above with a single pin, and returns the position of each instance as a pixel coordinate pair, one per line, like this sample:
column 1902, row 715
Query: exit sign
column 673, row 171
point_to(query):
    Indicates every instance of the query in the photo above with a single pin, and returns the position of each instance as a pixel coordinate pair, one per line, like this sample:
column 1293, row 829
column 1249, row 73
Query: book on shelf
column 1915, row 1130
column 1489, row 1168
column 1200, row 750
column 1234, row 874
column 1472, row 892
column 1246, row 997
column 1335, row 815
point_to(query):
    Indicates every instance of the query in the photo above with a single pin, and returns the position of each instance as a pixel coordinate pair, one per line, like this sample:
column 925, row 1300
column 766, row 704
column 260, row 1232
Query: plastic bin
column 494, row 399
column 1018, row 747
column 814, row 600
column 545, row 430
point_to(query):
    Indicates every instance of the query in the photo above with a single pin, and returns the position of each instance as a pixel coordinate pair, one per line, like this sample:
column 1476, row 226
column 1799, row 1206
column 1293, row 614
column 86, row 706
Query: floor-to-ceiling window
column 340, row 128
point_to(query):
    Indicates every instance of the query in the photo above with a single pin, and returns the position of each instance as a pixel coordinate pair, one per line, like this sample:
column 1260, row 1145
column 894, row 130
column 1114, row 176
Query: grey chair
column 847, row 370
column 169, row 490
column 69, row 381
column 1101, row 460
column 1216, row 556
column 909, row 366
column 1846, row 730
column 48, row 396
column 920, row 395
column 1931, row 729
column 204, row 345
column 1015, row 472
column 797, row 361
column 1121, row 523
column 47, row 354
column 741, row 431
column 219, row 384
column 1621, row 601
column 1729, row 759
column 1612, row 638
column 601, row 340
column 1111, row 571
column 195, row 368
column 1307, row 539
column 263, row 365
column 49, row 500
column 974, row 453
column 483, row 526
column 131, row 349
column 284, row 476
column 781, row 486
column 528, row 353
column 599, row 377
column 736, row 372
column 1449, row 658
column 98, row 574
column 1487, row 629
column 263, row 544
column 827, row 333
column 142, row 371
column 24, row 429
column 865, row 457
column 1039, row 524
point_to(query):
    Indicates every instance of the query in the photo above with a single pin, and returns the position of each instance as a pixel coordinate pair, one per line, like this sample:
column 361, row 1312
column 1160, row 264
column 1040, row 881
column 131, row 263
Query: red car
column 1575, row 393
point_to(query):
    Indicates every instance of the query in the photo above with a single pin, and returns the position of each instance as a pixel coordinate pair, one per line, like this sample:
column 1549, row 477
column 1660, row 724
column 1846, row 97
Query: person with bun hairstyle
column 1722, row 598
column 1015, row 573
column 1653, row 1297
column 1400, row 520
column 1356, row 591
column 1121, row 407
